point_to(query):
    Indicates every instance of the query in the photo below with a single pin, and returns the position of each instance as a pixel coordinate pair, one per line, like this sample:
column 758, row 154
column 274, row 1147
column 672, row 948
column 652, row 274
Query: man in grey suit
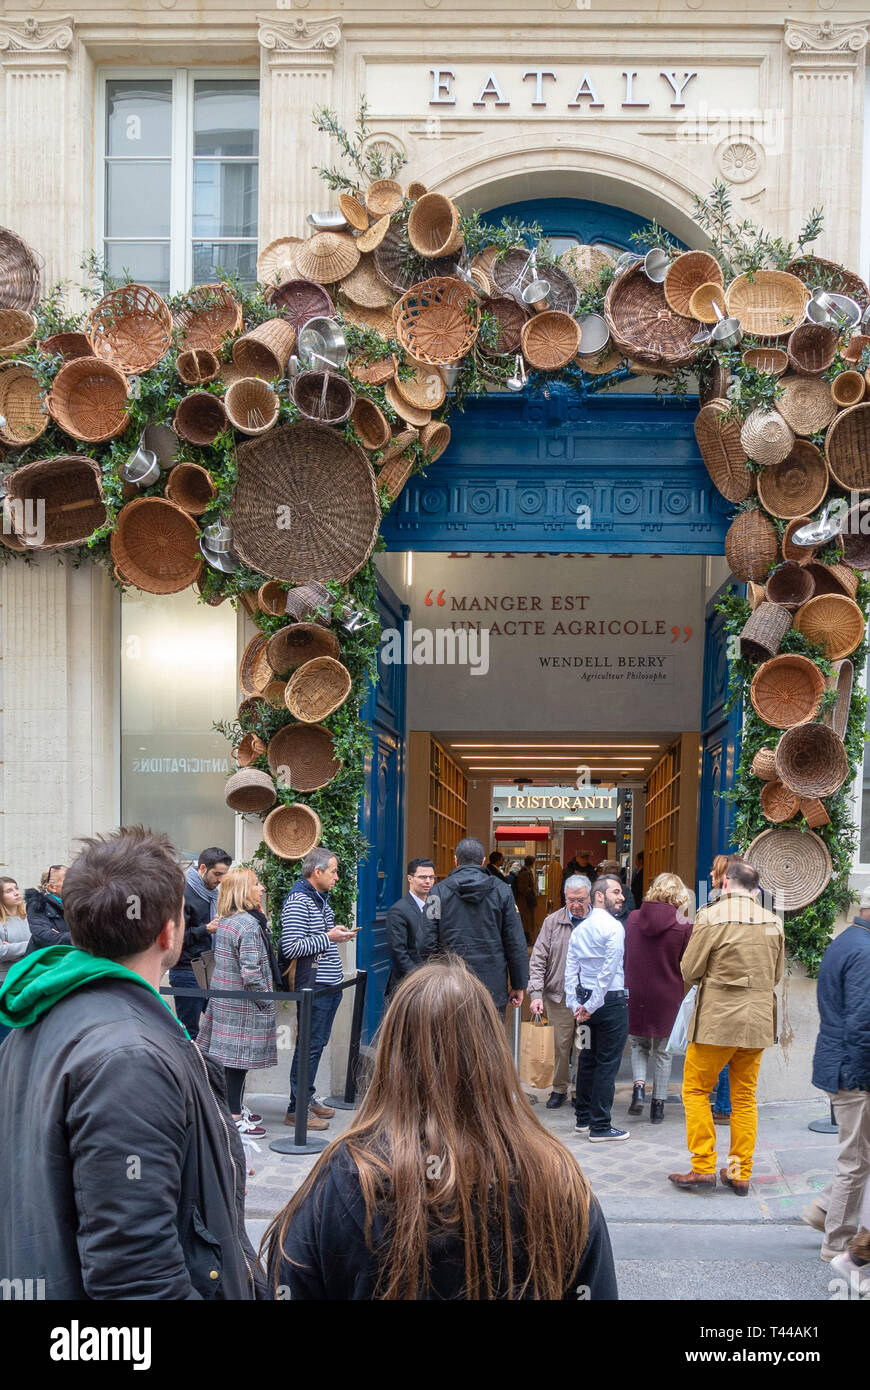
column 405, row 922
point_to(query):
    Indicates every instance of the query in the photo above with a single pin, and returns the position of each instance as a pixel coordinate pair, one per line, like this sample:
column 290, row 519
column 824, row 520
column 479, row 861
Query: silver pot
column 332, row 221
column 324, row 338
column 833, row 310
column 537, row 295
column 142, row 468
column 218, row 537
column 655, row 265
column 726, row 332
column 225, row 561
column 450, row 374
column 352, row 619
column 594, row 335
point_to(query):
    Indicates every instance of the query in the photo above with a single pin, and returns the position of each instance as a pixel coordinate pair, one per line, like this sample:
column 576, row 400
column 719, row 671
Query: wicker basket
column 811, row 349
column 329, row 487
column 19, row 272
column 197, row 366
column 327, row 257
column 250, row 792
column 841, row 681
column 763, row 632
column 254, row 669
column 643, row 326
column 797, row 485
column 248, row 749
column 253, row 708
column 411, row 414
column 384, row 197
column 23, row 416
column 306, row 603
column 70, row 488
column 276, row 263
column 847, row 448
column 200, row 418
column 790, row 586
column 399, row 444
column 438, row 321
column 764, row 764
column 833, row 579
column 155, row 544
column 705, row 306
column 510, row 317
column 317, row 689
column 17, row 330
column 191, row 488
column 251, row 405
column 433, row 226
column 778, row 802
column 813, row 812
column 273, row 694
column 374, row 373
column 834, row 622
column 584, row 264
column 434, row 439
column 722, row 451
column 66, row 345
column 771, row 360
column 685, row 274
column 805, row 404
column 854, row 537
column 377, row 232
column 365, row 288
column 766, row 437
column 131, row 327
column 754, row 594
column 353, row 211
column 390, row 256
column 265, row 351
column 751, row 546
column 769, row 305
column 425, row 389
column 210, row 315
column 793, row 865
column 89, row 400
column 370, row 423
column 272, row 598
column 550, row 340
column 848, row 389
column 324, row 396
column 302, row 757
column 299, row 301
column 811, row 760
column 394, row 474
column 291, row 832
column 818, row 274
column 801, row 554
column 854, row 349
column 787, row 690
column 298, row 643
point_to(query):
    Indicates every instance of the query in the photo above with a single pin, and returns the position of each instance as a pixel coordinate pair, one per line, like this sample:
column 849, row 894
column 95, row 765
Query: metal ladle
column 520, row 376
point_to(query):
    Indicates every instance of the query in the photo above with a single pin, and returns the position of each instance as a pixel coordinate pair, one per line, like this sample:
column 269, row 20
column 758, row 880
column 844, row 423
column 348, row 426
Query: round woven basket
column 834, row 622
column 805, row 404
column 769, row 304
column 302, row 757
column 721, row 449
column 324, row 396
column 17, row 330
column 197, row 366
column 211, row 314
column 797, row 485
column 811, row 348
column 833, row 579
column 70, row 489
column 23, row 417
column 511, row 272
column 155, row 544
column 787, row 690
column 384, row 197
column 353, row 211
column 848, row 389
column 763, row 632
column 307, row 602
column 291, row 832
column 793, row 865
column 643, row 326
column 510, row 317
column 813, row 812
column 751, row 546
column 254, row 669
column 298, row 643
column 377, row 232
column 754, row 594
column 777, row 802
column 411, row 414
column 365, row 287
column 425, row 389
column 550, row 340
column 327, row 257
column 248, row 749
column 433, row 226
column 847, row 448
column 766, row 437
column 841, row 681
column 801, row 554
column 685, row 274
column 854, row 349
column 276, row 263
column 370, row 423
column 67, row 346
column 250, row 791
column 251, row 405
column 131, row 327
column 191, row 487
column 390, row 257
column 273, row 694
column 811, row 760
column 199, row 419
column 854, row 537
column 818, row 274
column 706, row 303
column 790, row 586
column 374, row 373
column 265, row 350
column 317, row 689
column 764, row 764
column 19, row 272
column 563, row 294
column 771, row 360
column 583, row 263
column 434, row 439
column 251, row 708
column 89, row 400
column 438, row 321
column 272, row 598
column 299, row 301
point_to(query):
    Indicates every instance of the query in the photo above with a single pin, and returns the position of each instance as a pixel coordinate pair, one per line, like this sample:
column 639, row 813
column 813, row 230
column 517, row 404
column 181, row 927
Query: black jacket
column 842, row 1057
column 137, row 1191
column 404, row 926
column 474, row 915
column 196, row 918
column 46, row 921
column 326, row 1256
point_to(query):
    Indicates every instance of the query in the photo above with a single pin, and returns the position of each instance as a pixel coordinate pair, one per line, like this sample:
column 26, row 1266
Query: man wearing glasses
column 405, row 921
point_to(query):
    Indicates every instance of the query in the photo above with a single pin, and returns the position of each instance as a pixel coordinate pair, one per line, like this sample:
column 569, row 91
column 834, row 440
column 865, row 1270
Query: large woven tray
column 643, row 325
column 847, row 448
column 769, row 305
column 793, row 865
column 723, row 454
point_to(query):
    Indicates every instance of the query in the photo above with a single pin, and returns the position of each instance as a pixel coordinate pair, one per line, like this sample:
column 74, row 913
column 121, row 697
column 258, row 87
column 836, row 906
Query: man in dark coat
column 405, row 922
column 496, row 859
column 200, row 924
column 841, row 1066
column 136, row 1191
column 45, row 911
column 474, row 915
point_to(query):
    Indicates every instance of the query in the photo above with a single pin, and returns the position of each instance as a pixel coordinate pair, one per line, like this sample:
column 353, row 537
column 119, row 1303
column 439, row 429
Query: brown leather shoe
column 738, row 1185
column 693, row 1182
column 314, row 1122
column 325, row 1112
column 720, row 1118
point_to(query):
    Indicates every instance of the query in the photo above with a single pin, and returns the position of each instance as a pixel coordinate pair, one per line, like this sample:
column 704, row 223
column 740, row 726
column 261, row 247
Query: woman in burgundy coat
column 656, row 935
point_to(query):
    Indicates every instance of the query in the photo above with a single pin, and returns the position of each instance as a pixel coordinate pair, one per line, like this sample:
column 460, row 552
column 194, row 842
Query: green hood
column 34, row 984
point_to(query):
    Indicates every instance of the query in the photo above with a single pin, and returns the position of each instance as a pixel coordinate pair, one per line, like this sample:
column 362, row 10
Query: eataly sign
column 491, row 92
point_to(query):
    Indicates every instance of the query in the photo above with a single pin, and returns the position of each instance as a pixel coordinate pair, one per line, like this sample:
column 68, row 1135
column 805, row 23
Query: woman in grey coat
column 14, row 930
column 240, row 1033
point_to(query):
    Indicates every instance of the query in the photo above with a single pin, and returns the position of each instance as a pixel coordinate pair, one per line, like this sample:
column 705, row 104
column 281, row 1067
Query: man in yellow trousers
column 736, row 956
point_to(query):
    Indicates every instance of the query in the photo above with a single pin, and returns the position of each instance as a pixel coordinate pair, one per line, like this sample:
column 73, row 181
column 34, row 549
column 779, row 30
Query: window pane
column 137, row 198
column 231, row 257
column 147, row 262
column 139, row 117
column 559, row 243
column 226, row 117
column 224, row 199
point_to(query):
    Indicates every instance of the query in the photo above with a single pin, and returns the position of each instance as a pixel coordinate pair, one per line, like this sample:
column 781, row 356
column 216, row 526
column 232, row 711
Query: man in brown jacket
column 547, row 979
column 736, row 956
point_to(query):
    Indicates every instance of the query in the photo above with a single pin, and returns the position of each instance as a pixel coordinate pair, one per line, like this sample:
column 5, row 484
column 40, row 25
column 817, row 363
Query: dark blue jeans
column 188, row 1009
column 598, row 1063
column 720, row 1099
column 324, row 1007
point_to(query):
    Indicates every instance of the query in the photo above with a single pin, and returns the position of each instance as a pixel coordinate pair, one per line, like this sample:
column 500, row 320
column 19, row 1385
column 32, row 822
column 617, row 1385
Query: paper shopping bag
column 537, row 1054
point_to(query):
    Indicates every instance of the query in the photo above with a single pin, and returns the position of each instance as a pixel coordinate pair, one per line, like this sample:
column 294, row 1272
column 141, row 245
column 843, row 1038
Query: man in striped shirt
column 308, row 936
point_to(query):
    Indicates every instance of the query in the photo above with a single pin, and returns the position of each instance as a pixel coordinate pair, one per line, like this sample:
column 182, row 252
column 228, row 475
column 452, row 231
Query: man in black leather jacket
column 45, row 911
column 128, row 1180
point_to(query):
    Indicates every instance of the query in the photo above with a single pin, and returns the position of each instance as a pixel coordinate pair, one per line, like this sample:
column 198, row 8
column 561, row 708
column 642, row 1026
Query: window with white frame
column 178, row 192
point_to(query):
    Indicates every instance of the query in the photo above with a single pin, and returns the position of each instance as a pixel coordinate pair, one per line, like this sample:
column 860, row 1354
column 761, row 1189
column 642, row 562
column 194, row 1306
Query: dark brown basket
column 89, row 400
column 197, row 366
column 301, row 300
column 833, row 622
column 291, row 832
column 847, row 448
column 841, row 681
column 248, row 749
column 302, row 757
column 155, row 545
column 764, row 764
column 510, row 317
column 297, row 643
column 324, row 396
column 763, row 632
column 306, row 602
column 265, row 351
column 250, row 792
column 819, row 274
column 329, row 488
column 70, row 487
column 210, row 315
column 833, row 579
column 200, row 418
column 722, row 451
column 252, row 708
column 67, row 345
column 131, row 327
column 371, row 424
column 811, row 760
column 854, row 349
column 855, row 536
column 317, row 689
column 751, row 546
column 254, row 669
column 191, row 487
column 642, row 324
column 787, row 690
column 19, row 272
column 437, row 321
column 811, row 349
column 778, row 802
column 272, row 598
column 793, row 865
column 790, row 586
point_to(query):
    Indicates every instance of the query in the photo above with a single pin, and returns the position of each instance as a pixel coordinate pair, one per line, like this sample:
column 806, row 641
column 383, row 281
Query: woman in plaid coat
column 238, row 1032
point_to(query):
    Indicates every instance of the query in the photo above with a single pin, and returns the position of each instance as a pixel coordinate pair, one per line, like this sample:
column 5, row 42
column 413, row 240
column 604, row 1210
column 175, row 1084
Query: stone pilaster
column 296, row 76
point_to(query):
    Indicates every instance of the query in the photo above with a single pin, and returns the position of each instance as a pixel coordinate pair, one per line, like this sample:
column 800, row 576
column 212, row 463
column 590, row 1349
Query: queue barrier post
column 829, row 1126
column 348, row 1101
column 301, row 1143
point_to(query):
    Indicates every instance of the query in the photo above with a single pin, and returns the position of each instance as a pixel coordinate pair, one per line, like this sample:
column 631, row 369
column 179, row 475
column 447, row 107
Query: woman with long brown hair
column 445, row 1186
column 14, row 931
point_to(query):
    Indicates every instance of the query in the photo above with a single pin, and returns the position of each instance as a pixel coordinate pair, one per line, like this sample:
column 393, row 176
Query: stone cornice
column 30, row 40
column 818, row 40
column 299, row 36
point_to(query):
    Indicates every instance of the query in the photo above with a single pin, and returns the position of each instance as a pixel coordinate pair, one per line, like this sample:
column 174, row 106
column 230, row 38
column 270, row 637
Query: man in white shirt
column 596, row 995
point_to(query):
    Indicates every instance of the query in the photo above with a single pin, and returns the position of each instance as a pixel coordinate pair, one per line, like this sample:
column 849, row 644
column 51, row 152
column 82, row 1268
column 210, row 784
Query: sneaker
column 857, row 1275
column 581, row 1128
column 314, row 1121
column 609, row 1135
column 250, row 1116
column 249, row 1130
column 829, row 1254
column 317, row 1107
